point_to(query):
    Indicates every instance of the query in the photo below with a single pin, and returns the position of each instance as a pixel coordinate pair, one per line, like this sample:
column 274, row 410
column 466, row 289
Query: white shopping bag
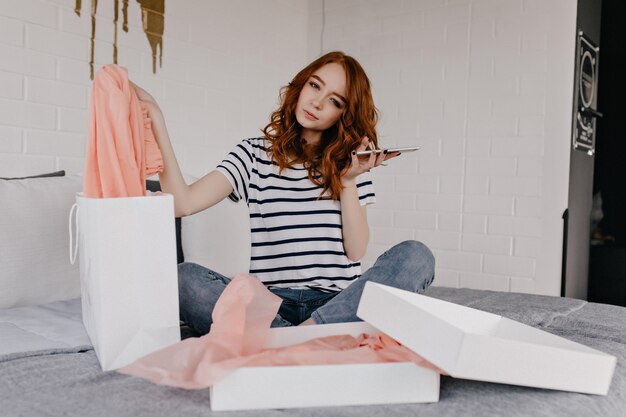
column 128, row 275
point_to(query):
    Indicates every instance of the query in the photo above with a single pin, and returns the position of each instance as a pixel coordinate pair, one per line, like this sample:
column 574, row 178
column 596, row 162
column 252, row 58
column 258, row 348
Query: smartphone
column 389, row 150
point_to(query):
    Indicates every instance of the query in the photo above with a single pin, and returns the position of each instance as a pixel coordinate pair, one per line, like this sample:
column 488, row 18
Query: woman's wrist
column 348, row 182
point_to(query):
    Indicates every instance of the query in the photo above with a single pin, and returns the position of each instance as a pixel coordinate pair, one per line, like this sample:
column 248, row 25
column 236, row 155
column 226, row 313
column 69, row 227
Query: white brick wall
column 471, row 82
column 223, row 65
column 484, row 86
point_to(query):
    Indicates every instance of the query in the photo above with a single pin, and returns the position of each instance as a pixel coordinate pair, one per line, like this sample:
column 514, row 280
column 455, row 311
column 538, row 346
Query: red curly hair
column 326, row 161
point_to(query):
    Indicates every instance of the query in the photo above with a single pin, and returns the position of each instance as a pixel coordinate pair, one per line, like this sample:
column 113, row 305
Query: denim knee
column 185, row 274
column 185, row 280
column 417, row 260
column 198, row 291
column 185, row 268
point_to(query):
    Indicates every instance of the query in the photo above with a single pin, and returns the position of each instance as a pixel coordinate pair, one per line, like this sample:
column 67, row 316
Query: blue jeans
column 409, row 265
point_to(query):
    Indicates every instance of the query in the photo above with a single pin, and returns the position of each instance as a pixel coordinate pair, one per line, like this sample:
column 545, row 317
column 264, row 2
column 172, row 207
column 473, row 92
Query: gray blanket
column 69, row 382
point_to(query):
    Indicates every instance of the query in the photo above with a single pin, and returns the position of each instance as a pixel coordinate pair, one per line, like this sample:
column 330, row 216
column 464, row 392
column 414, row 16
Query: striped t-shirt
column 296, row 235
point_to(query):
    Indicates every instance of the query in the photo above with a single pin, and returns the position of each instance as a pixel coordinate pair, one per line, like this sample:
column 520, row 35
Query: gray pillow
column 34, row 240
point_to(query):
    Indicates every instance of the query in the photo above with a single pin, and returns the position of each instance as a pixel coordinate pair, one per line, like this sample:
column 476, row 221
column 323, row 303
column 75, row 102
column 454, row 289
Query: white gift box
column 323, row 385
column 464, row 342
column 472, row 344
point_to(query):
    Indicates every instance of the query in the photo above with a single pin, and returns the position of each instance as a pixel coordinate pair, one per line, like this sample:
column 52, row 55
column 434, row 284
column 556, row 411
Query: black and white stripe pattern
column 296, row 234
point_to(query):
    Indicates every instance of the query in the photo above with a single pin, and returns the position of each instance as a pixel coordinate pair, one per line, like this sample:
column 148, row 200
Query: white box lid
column 473, row 344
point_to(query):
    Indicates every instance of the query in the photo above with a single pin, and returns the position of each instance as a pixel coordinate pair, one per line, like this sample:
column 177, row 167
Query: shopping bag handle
column 73, row 245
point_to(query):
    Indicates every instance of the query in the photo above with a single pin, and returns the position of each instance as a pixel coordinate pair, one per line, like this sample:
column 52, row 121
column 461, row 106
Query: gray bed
column 44, row 374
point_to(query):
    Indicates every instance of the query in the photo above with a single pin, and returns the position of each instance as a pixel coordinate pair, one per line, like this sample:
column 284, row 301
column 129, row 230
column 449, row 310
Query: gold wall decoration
column 152, row 21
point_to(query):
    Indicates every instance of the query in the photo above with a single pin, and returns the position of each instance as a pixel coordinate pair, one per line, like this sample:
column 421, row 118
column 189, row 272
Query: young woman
column 307, row 191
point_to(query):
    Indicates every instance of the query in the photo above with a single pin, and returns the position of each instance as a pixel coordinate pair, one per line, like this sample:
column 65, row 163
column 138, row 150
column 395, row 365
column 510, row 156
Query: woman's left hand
column 360, row 164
